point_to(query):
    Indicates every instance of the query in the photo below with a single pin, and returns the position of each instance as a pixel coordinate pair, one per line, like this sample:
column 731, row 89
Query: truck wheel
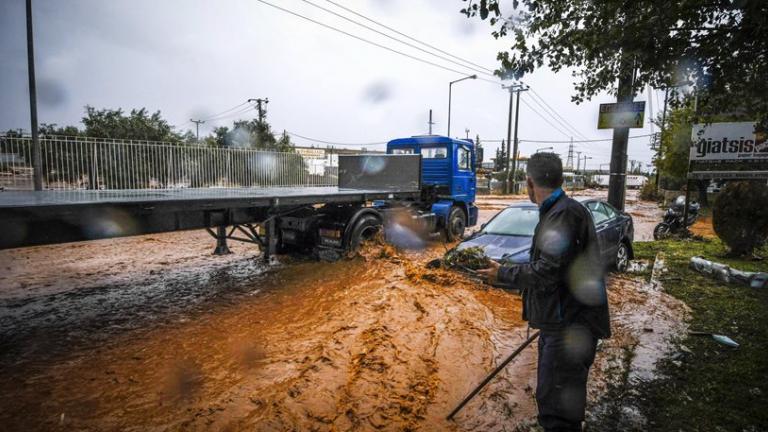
column 365, row 228
column 457, row 223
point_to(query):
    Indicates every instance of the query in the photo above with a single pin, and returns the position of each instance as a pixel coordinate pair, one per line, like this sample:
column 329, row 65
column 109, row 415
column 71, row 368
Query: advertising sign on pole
column 721, row 142
column 729, row 150
column 619, row 115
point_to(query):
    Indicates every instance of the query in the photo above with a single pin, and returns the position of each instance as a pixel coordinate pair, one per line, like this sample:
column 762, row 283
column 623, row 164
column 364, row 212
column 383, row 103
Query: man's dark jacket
column 563, row 284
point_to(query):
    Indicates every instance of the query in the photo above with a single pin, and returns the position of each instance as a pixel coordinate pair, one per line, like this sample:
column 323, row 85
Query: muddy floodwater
column 154, row 333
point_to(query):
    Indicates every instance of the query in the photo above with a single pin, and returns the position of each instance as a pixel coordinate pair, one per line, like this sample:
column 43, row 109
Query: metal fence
column 77, row 163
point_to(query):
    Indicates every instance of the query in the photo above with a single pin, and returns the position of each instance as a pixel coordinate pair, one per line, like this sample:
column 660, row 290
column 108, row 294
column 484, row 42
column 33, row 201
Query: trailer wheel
column 365, row 228
column 457, row 223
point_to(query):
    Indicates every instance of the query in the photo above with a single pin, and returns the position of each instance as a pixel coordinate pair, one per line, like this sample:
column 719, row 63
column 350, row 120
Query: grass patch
column 711, row 387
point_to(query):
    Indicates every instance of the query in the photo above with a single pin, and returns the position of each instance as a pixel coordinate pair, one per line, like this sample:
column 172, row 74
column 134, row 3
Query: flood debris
column 637, row 266
column 721, row 339
column 728, row 274
column 471, row 258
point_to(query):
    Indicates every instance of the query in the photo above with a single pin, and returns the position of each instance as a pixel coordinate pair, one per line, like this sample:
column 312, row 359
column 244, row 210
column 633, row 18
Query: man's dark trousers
column 565, row 357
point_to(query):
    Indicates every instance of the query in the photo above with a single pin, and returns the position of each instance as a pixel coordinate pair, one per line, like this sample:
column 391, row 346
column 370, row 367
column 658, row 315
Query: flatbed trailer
column 326, row 221
column 264, row 216
column 49, row 217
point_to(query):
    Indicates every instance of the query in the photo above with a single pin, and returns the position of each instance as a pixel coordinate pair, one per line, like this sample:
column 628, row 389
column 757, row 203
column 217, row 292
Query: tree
column 500, row 161
column 136, row 125
column 257, row 134
column 740, row 216
column 675, row 148
column 52, row 129
column 720, row 45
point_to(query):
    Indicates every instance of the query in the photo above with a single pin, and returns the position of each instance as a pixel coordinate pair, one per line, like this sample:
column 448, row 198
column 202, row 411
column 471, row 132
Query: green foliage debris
column 472, row 258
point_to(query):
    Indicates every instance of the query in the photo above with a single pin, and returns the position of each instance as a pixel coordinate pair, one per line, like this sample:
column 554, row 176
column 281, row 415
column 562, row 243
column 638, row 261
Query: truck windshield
column 514, row 221
column 434, row 153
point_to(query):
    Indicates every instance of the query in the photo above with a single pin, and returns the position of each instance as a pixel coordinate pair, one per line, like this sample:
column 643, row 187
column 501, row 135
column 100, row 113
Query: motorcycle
column 673, row 218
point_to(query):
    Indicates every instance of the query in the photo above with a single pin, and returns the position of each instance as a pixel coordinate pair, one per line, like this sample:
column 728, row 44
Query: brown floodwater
column 154, row 333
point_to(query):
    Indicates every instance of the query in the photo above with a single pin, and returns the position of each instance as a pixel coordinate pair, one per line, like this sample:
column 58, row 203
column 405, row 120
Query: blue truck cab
column 448, row 178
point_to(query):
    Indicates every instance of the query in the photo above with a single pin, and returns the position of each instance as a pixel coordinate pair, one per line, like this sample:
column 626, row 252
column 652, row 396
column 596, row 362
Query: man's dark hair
column 546, row 170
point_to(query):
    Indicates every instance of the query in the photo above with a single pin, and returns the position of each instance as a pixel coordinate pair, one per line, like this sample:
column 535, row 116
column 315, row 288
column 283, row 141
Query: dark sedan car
column 508, row 235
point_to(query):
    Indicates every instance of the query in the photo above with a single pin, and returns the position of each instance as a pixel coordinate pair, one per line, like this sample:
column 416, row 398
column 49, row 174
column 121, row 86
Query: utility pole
column 466, row 130
column 509, row 140
column 37, row 164
column 197, row 127
column 514, row 89
column 661, row 135
column 260, row 107
column 578, row 161
column 618, row 175
column 430, row 123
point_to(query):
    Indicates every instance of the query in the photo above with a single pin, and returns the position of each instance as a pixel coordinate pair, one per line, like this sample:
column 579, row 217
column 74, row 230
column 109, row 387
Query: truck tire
column 365, row 228
column 457, row 223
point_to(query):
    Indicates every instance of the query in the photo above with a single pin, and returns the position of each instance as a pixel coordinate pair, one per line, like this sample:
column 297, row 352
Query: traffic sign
column 619, row 115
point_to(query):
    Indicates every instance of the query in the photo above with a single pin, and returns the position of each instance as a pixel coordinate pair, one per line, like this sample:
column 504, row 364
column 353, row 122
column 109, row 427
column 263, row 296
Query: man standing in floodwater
column 564, row 296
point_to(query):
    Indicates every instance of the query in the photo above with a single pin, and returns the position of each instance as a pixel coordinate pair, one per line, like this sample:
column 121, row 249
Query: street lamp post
column 450, row 85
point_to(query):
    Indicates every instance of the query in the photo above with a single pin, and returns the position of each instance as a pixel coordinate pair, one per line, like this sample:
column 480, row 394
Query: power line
column 581, row 141
column 230, row 115
column 562, row 120
column 225, row 111
column 396, row 39
column 544, row 118
column 335, row 143
column 365, row 40
column 406, row 36
column 567, row 131
column 563, row 142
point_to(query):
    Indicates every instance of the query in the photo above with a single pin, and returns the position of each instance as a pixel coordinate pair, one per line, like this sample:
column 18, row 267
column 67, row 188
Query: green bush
column 740, row 216
column 649, row 193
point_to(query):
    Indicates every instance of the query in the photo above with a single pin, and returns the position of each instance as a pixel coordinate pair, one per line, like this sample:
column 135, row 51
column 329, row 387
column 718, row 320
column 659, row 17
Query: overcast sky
column 195, row 58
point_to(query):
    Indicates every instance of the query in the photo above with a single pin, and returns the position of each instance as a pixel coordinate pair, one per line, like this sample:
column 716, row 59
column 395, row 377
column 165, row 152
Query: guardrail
column 75, row 163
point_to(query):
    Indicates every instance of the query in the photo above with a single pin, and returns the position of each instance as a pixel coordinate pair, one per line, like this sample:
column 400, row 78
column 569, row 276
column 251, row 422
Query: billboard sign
column 719, row 142
column 621, row 115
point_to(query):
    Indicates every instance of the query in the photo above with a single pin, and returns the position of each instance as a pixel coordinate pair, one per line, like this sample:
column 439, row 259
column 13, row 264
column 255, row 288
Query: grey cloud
column 50, row 92
column 378, row 92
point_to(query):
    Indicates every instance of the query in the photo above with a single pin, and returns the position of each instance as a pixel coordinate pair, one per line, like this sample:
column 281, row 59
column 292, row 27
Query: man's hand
column 490, row 273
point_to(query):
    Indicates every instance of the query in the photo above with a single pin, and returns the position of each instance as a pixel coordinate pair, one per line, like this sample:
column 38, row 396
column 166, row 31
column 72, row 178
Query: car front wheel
column 622, row 257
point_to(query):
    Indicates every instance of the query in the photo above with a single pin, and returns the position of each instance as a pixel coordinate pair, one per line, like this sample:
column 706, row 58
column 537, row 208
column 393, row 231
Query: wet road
column 155, row 333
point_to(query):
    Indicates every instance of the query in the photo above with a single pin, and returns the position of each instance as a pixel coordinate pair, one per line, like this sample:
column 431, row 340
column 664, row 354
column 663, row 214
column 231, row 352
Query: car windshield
column 515, row 221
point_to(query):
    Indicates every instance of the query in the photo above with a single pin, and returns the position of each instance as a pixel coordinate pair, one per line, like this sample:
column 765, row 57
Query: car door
column 603, row 224
column 613, row 230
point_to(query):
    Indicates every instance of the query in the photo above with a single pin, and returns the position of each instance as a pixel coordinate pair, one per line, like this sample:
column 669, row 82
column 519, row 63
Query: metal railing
column 76, row 163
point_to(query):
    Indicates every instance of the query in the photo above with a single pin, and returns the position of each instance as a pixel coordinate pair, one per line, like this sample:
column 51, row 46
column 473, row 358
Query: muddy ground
column 154, row 333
